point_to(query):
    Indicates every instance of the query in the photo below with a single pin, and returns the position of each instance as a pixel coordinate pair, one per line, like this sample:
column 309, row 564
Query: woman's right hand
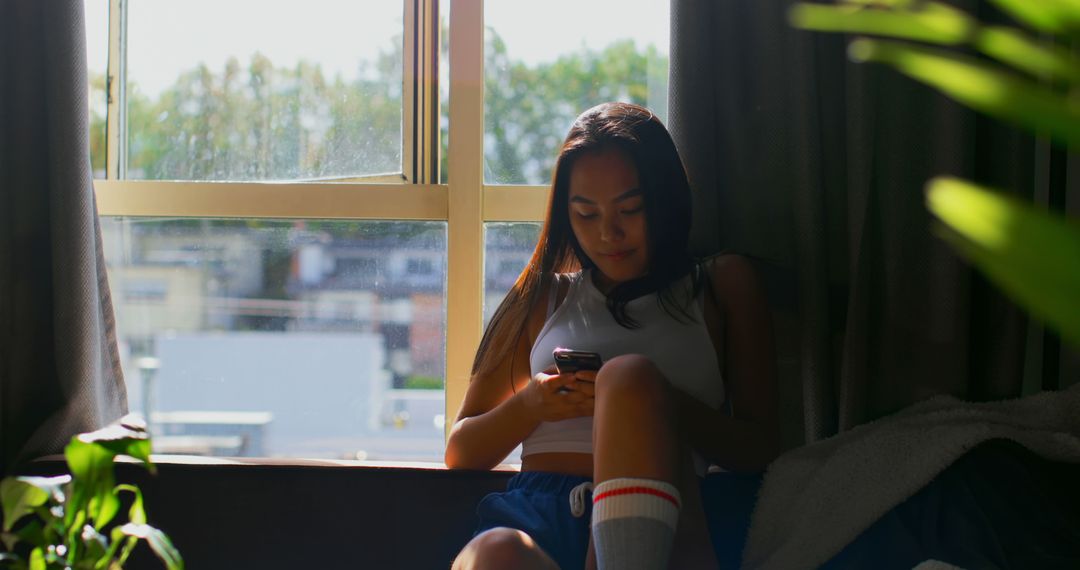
column 551, row 396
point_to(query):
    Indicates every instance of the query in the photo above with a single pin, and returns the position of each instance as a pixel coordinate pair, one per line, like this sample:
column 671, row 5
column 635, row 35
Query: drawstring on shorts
column 577, row 498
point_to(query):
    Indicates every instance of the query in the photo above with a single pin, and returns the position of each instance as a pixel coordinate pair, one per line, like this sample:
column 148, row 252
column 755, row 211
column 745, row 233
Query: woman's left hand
column 586, row 382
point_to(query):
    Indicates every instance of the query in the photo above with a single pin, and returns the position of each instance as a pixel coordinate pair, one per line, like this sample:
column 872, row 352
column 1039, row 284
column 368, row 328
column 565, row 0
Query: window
column 253, row 318
column 537, row 79
column 507, row 249
column 96, row 16
column 420, row 267
column 301, row 260
column 303, row 95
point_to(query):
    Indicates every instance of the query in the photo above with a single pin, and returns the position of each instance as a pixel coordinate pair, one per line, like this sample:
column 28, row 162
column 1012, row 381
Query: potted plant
column 69, row 521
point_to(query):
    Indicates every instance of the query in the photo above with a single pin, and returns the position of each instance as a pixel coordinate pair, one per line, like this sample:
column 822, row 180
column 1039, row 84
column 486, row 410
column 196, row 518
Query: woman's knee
column 502, row 548
column 632, row 376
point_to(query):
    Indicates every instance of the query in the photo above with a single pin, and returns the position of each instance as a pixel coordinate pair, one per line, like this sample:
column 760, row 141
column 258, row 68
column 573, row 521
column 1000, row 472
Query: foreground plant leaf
column 934, row 22
column 127, row 436
column 20, row 498
column 1033, row 255
column 940, row 24
column 1039, row 59
column 136, row 514
column 981, row 86
column 1051, row 16
column 92, row 491
column 159, row 543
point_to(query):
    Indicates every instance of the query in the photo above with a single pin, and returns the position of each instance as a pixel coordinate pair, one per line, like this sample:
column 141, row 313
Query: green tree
column 265, row 122
column 97, row 122
column 529, row 109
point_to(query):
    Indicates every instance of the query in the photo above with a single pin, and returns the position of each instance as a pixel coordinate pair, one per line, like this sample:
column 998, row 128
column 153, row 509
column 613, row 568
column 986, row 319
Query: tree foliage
column 258, row 121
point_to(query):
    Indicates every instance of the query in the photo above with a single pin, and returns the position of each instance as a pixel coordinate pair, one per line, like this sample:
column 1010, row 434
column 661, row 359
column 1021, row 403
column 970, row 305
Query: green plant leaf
column 9, row 539
column 96, row 544
column 91, row 467
column 30, row 533
column 126, row 436
column 1052, row 16
column 130, row 426
column 1034, row 256
column 159, row 542
column 884, row 3
column 1040, row 59
column 37, row 559
column 106, row 561
column 980, row 86
column 19, row 498
column 88, row 461
column 104, row 506
column 934, row 22
column 68, row 532
column 943, row 25
column 137, row 514
column 55, row 486
column 129, row 542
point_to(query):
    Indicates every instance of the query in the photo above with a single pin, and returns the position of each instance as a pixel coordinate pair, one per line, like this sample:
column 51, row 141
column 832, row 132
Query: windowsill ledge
column 292, row 462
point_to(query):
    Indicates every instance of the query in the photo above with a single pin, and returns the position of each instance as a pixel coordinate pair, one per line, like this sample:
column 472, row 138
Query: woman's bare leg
column 503, row 548
column 634, row 435
column 693, row 545
column 633, row 430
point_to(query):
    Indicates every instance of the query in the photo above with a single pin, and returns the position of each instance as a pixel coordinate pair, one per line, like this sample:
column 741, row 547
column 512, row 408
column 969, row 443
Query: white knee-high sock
column 633, row 523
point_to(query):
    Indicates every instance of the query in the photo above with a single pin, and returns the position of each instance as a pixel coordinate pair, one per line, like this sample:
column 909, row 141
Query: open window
column 308, row 214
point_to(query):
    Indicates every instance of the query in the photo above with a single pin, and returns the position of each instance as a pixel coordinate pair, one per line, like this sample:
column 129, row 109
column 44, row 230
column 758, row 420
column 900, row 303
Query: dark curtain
column 59, row 367
column 815, row 167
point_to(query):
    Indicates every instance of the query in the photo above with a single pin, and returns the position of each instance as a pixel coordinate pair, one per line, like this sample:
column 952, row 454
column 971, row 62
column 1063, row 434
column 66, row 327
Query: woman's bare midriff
column 580, row 464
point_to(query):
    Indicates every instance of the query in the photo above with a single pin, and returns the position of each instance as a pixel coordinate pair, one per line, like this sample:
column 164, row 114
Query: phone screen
column 568, row 360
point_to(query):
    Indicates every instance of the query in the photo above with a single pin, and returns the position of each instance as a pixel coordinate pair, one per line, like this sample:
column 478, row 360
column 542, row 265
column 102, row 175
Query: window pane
column 294, row 94
column 444, row 92
column 507, row 249
column 283, row 338
column 96, row 17
column 537, row 81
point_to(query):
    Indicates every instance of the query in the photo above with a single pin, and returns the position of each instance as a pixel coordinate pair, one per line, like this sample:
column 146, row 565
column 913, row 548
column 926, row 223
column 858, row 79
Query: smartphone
column 568, row 360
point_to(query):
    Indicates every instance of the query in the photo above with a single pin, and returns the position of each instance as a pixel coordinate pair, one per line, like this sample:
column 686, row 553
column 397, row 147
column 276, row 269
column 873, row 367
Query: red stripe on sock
column 636, row 490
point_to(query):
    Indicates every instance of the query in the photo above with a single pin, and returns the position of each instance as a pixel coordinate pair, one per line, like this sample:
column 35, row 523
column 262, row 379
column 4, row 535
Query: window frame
column 465, row 203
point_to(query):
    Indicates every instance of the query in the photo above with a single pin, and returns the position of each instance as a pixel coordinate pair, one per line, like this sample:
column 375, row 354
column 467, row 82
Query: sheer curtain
column 816, row 166
column 59, row 367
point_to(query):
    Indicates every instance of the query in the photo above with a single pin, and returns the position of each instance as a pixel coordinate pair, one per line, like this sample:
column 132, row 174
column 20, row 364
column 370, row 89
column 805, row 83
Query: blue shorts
column 538, row 503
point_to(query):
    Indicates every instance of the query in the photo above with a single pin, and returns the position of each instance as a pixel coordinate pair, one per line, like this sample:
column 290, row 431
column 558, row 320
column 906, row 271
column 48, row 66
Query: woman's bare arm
column 748, row 440
column 503, row 407
column 493, row 419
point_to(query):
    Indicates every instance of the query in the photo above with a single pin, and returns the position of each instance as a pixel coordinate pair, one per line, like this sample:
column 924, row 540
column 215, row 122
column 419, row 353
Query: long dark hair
column 637, row 132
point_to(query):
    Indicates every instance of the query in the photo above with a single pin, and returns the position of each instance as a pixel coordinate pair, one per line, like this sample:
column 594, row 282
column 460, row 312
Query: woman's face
column 607, row 215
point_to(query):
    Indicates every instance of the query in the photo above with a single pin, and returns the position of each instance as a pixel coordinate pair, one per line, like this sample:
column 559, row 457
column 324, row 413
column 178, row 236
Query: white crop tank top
column 683, row 351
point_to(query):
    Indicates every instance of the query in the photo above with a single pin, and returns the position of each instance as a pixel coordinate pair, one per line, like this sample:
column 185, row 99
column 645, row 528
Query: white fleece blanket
column 816, row 499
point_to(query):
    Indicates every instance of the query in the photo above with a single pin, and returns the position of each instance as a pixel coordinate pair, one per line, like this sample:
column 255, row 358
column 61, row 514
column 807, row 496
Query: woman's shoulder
column 731, row 277
column 544, row 302
column 726, row 262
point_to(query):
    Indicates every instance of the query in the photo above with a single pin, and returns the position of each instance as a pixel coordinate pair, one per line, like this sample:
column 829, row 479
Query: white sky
column 167, row 37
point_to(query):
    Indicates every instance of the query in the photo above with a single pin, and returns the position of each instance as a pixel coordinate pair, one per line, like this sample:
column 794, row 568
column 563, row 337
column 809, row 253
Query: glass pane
column 283, row 338
column 444, row 93
column 507, row 249
column 536, row 82
column 295, row 94
column 96, row 17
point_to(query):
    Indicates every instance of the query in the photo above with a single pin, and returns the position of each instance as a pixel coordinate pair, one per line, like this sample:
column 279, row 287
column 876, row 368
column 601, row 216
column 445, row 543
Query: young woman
column 622, row 447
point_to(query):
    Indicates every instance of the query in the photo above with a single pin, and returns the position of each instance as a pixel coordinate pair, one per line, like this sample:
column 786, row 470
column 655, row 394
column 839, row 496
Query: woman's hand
column 551, row 397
